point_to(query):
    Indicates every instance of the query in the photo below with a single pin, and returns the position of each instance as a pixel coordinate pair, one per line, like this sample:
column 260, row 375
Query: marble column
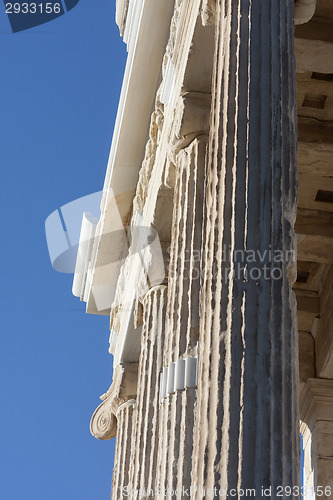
column 114, row 418
column 184, row 274
column 316, row 413
column 182, row 319
column 246, row 429
column 146, row 433
column 120, row 477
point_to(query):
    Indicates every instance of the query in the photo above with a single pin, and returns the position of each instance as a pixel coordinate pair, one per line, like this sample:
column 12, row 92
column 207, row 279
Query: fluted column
column 114, row 418
column 120, row 477
column 184, row 267
column 182, row 319
column 246, row 431
column 316, row 412
column 146, row 432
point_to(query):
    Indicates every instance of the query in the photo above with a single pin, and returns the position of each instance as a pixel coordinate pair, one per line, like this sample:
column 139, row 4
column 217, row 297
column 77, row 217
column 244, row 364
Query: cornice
column 148, row 31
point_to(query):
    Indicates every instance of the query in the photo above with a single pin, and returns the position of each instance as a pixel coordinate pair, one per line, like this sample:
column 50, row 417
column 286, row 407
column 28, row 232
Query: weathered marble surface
column 219, row 172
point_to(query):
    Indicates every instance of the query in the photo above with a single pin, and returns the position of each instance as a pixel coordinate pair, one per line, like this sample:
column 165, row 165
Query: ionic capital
column 103, row 424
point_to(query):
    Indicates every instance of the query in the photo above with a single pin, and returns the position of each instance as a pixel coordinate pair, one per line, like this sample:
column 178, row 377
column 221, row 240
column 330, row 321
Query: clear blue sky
column 60, row 86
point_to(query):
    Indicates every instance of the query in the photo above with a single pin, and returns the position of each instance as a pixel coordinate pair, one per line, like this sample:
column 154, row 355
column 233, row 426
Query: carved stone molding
column 191, row 120
column 156, row 125
column 157, row 118
column 121, row 14
column 103, row 424
column 208, row 12
column 127, row 404
column 192, row 114
column 316, row 413
column 316, row 400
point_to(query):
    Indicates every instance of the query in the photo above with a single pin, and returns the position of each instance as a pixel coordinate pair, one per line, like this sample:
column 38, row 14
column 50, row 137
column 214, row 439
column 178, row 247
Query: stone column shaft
column 316, row 412
column 182, row 320
column 184, row 268
column 114, row 418
column 146, row 432
column 120, row 478
column 246, row 430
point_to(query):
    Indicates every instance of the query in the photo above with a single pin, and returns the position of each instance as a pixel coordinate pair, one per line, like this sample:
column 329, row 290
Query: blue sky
column 60, row 86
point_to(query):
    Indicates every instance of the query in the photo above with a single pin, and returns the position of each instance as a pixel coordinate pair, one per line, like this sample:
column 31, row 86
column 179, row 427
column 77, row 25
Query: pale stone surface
column 324, row 337
column 238, row 427
column 247, row 396
column 182, row 320
column 307, row 367
column 304, row 10
column 103, row 423
column 143, row 461
column 124, row 447
column 316, row 413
